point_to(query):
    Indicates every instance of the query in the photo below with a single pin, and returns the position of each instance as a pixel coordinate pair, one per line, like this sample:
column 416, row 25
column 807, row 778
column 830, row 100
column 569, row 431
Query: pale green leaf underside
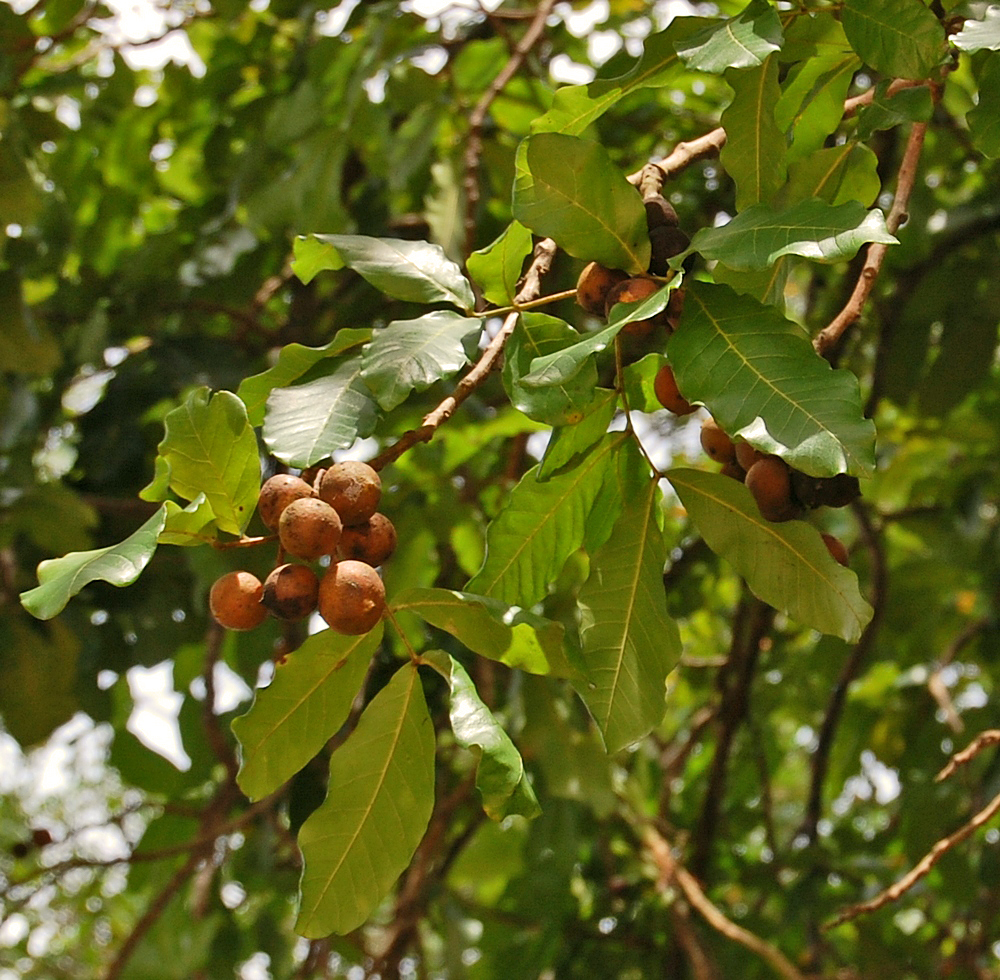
column 191, row 525
column 500, row 776
column 979, row 35
column 760, row 377
column 786, row 565
column 379, row 801
column 743, row 41
column 630, row 644
column 120, row 564
column 305, row 704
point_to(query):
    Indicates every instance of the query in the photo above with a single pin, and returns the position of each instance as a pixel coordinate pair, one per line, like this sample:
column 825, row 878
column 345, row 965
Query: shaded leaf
column 500, row 776
column 26, row 346
column 211, row 449
column 759, row 236
column 629, row 642
column 541, row 526
column 497, row 267
column 120, row 564
column 743, row 41
column 305, row 704
column 412, row 355
column 415, row 271
column 194, row 524
column 984, row 119
column 568, row 441
column 491, row 628
column 838, row 174
column 900, row 38
column 381, row 794
column 886, row 111
column 786, row 565
column 307, row 422
column 568, row 189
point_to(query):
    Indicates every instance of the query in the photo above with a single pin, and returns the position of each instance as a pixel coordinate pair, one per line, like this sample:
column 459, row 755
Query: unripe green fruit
column 372, row 542
column 351, row 597
column 716, row 443
column 291, row 592
column 309, row 528
column 277, row 493
column 769, row 480
column 235, row 601
column 665, row 389
column 594, row 284
column 353, row 490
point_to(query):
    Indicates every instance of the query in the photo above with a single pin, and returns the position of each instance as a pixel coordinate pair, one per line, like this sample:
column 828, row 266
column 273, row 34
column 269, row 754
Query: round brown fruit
column 309, row 527
column 632, row 291
column 594, row 284
column 664, row 243
column 277, row 493
column 836, row 548
column 235, row 601
column 734, row 470
column 291, row 592
column 769, row 480
column 352, row 489
column 665, row 389
column 746, row 455
column 660, row 212
column 716, row 443
column 351, row 597
column 372, row 542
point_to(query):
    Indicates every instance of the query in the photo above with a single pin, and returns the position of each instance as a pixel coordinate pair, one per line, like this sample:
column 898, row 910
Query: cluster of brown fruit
column 338, row 517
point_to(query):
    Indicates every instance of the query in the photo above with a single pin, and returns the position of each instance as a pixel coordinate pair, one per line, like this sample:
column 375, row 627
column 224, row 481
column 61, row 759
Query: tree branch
column 981, row 741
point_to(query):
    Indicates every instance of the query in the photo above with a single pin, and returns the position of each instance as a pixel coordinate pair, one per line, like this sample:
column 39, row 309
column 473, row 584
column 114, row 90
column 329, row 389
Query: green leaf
column 886, row 111
column 377, row 808
column 980, row 35
column 497, row 267
column 984, row 119
column 764, row 285
column 568, row 441
column 120, row 564
column 561, row 366
column 786, row 565
column 538, row 335
column 491, row 628
column 630, row 644
column 211, row 449
column 900, row 38
column 836, row 175
column 568, row 189
column 294, row 361
column 743, row 41
column 500, row 776
column 26, row 346
column 194, row 524
column 416, row 271
column 305, row 704
column 760, row 378
column 759, row 236
column 307, row 422
column 541, row 526
column 412, row 355
column 754, row 154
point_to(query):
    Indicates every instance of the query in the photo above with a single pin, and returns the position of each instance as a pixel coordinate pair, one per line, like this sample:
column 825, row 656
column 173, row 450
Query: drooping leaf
column 838, row 174
column 211, row 448
column 743, row 41
column 380, row 797
column 191, row 525
column 120, row 564
column 491, row 628
column 984, row 119
column 410, row 355
column 886, row 111
column 629, row 642
column 415, row 271
column 497, row 267
column 786, row 565
column 760, row 377
column 500, row 776
column 307, row 422
column 305, row 704
column 568, row 189
column 294, row 361
column 577, row 436
column 754, row 154
column 980, row 35
column 537, row 335
column 900, row 38
column 541, row 526
column 759, row 236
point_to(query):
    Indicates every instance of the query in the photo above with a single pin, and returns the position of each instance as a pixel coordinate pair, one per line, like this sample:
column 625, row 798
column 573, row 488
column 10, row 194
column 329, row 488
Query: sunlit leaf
column 497, row 267
column 743, row 41
column 901, row 38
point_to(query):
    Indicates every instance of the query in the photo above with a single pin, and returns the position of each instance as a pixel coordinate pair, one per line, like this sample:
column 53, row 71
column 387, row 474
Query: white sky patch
column 154, row 716
column 133, row 26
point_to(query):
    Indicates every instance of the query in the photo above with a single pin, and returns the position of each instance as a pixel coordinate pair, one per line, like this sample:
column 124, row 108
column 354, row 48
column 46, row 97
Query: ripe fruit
column 769, row 480
column 734, row 470
column 372, row 542
column 594, row 284
column 746, row 455
column 632, row 291
column 353, row 489
column 836, row 548
column 665, row 389
column 351, row 597
column 234, row 601
column 291, row 592
column 716, row 443
column 309, row 527
column 277, row 493
column 665, row 242
column 660, row 212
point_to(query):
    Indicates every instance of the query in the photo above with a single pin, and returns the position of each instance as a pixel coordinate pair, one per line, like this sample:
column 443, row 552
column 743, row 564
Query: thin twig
column 980, row 742
column 921, row 869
